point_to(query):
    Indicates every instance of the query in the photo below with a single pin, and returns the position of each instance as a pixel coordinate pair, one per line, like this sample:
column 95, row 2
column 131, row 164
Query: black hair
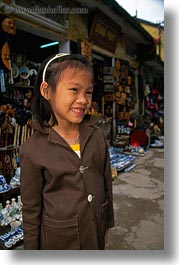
column 41, row 107
column 2, row 18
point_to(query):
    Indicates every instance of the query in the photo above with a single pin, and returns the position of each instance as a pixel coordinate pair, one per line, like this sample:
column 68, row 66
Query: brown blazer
column 67, row 201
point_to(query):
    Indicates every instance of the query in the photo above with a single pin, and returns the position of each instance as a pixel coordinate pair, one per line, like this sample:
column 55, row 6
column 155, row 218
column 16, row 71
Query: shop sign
column 104, row 32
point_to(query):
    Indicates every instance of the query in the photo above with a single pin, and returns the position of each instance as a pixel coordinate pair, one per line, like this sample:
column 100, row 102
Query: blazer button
column 82, row 169
column 90, row 198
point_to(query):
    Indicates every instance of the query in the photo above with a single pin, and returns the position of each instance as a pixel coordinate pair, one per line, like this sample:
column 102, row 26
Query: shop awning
column 156, row 64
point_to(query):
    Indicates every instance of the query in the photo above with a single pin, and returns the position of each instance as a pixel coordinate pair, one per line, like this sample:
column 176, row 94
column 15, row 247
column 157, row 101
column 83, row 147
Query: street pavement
column 138, row 198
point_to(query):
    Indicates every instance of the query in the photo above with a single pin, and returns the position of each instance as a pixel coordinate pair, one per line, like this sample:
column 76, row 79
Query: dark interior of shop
column 29, row 45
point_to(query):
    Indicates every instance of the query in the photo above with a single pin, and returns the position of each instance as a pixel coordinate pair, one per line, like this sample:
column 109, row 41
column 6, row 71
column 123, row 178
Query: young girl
column 66, row 183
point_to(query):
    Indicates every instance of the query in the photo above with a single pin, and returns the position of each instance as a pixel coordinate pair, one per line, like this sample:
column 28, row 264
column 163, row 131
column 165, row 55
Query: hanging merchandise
column 86, row 49
column 15, row 70
column 24, row 72
column 124, row 93
column 2, row 81
column 7, row 32
column 5, row 55
column 8, row 26
column 146, row 89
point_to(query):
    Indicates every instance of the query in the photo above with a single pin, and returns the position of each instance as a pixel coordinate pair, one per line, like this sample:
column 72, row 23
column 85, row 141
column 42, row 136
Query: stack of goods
column 12, row 238
column 15, row 181
column 135, row 150
column 4, row 187
column 15, row 126
column 122, row 137
column 121, row 162
column 9, row 165
column 121, row 141
column 12, row 212
column 11, row 220
column 156, row 142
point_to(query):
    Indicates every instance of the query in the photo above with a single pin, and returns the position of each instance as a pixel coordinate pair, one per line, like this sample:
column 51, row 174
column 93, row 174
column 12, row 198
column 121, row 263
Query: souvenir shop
column 114, row 101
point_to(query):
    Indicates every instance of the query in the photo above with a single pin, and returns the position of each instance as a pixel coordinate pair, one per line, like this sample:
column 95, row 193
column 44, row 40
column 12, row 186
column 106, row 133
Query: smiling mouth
column 78, row 112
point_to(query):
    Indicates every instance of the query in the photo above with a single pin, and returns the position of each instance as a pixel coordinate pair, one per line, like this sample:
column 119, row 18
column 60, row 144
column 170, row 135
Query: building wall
column 158, row 35
column 77, row 28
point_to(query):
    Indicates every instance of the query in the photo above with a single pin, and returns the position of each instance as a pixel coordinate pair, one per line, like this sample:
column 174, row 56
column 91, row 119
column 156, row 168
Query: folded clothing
column 155, row 142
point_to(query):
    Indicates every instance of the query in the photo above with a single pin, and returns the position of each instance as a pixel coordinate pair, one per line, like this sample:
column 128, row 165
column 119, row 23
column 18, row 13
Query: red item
column 155, row 91
column 139, row 138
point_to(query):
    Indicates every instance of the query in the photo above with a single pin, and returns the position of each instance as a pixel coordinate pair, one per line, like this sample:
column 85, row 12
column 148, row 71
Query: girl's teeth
column 77, row 110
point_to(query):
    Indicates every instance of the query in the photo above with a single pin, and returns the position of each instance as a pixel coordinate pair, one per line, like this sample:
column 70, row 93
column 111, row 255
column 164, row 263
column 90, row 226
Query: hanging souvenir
column 7, row 31
column 5, row 55
column 2, row 81
column 24, row 72
column 8, row 26
column 32, row 72
column 15, row 70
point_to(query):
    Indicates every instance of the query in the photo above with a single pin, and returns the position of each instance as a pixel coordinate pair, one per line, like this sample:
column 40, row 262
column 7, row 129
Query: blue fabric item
column 2, row 81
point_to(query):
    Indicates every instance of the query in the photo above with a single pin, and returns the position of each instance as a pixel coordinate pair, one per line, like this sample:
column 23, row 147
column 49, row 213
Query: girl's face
column 72, row 97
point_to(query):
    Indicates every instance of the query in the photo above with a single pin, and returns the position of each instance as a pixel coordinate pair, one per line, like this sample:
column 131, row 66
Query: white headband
column 47, row 64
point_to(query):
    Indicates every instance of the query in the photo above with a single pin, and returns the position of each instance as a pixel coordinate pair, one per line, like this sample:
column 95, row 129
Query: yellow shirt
column 76, row 149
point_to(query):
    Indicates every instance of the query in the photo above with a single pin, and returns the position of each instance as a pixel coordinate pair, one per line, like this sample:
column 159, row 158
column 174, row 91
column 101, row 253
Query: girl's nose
column 82, row 99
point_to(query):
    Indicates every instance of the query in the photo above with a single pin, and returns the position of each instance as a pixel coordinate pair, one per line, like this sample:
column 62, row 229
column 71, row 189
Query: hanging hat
column 155, row 91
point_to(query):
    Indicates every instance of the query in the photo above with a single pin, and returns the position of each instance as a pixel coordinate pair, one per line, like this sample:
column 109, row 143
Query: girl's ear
column 45, row 90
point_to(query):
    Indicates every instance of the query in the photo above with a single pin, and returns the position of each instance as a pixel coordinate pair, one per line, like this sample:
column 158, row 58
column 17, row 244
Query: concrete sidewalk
column 139, row 205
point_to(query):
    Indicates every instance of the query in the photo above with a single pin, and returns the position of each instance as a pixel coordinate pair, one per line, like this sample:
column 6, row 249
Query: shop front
column 118, row 87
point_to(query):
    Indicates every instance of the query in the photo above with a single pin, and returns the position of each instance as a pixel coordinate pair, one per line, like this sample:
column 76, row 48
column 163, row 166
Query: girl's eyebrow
column 77, row 84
